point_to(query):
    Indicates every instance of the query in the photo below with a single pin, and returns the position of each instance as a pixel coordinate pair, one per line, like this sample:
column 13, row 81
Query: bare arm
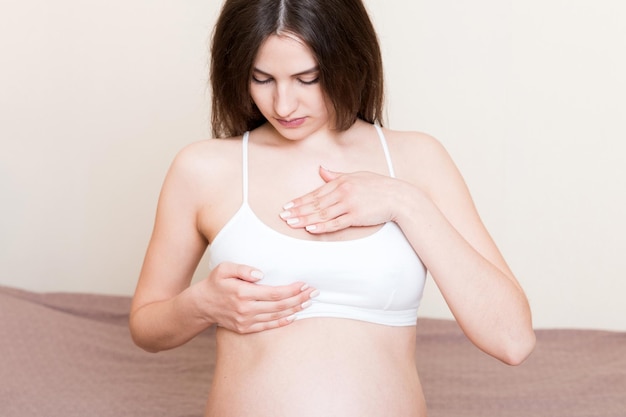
column 446, row 231
column 439, row 219
column 166, row 311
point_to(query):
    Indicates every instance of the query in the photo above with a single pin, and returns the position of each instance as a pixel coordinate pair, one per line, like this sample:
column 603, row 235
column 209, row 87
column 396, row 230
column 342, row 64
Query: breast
column 378, row 278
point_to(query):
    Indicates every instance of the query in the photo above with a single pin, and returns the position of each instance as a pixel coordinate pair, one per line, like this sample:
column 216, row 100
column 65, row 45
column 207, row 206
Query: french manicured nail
column 257, row 274
column 306, row 304
column 314, row 294
column 304, row 287
column 292, row 221
column 285, row 214
column 291, row 318
column 311, row 227
column 288, row 205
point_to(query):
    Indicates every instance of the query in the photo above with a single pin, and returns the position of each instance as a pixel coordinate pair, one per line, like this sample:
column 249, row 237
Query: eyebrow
column 305, row 72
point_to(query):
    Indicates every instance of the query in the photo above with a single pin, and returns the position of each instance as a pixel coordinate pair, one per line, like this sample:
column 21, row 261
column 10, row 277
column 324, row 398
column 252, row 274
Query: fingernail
column 306, row 304
column 310, row 227
column 285, row 214
column 304, row 287
column 291, row 318
column 314, row 294
column 288, row 205
column 292, row 221
column 257, row 274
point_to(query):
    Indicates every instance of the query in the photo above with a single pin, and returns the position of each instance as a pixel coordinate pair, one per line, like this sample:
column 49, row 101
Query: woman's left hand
column 345, row 200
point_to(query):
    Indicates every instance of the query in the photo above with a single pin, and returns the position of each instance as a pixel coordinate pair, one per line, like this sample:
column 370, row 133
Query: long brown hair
column 340, row 36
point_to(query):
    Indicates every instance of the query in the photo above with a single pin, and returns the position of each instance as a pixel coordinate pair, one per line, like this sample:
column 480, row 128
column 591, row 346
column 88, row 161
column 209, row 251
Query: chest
column 380, row 271
column 273, row 184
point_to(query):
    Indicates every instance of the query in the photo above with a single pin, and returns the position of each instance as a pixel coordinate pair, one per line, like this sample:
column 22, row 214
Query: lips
column 291, row 123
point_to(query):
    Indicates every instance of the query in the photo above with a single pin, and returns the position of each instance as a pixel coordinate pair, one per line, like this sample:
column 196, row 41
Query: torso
column 316, row 366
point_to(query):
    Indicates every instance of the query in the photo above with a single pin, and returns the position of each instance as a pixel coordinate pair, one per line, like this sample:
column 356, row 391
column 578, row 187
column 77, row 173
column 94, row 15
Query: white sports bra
column 378, row 278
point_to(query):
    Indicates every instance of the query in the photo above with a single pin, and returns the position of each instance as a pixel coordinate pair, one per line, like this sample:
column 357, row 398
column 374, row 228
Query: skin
column 258, row 341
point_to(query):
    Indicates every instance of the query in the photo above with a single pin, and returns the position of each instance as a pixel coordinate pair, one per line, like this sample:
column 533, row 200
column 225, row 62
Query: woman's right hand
column 231, row 298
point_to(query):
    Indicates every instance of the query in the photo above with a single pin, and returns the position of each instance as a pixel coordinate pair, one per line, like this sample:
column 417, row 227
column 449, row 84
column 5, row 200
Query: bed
column 68, row 355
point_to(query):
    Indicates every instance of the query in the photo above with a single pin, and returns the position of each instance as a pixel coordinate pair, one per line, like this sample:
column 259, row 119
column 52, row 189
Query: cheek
column 258, row 97
column 254, row 95
column 323, row 101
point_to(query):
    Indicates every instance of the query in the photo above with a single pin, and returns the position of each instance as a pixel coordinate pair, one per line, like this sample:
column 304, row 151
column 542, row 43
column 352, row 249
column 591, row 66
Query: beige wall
column 528, row 97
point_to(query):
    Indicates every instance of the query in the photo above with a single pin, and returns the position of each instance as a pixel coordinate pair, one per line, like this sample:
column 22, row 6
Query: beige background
column 96, row 97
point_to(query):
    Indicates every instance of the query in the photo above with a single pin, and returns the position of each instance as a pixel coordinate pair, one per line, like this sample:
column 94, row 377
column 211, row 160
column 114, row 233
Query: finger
column 273, row 310
column 310, row 197
column 256, row 316
column 240, row 271
column 269, row 325
column 270, row 298
column 317, row 209
column 326, row 220
column 328, row 175
column 338, row 223
column 282, row 313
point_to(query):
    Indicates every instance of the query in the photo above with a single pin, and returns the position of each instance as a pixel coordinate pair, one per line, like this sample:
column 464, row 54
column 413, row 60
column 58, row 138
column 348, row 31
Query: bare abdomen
column 317, row 367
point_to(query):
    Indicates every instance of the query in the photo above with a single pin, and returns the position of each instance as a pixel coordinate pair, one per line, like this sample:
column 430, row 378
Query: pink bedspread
column 71, row 355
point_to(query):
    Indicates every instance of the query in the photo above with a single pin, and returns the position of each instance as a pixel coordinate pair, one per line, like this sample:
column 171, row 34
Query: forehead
column 284, row 53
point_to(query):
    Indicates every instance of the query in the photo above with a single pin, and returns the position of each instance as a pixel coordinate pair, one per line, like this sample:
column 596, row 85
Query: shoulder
column 203, row 182
column 412, row 140
column 423, row 160
column 206, row 159
column 215, row 151
column 203, row 169
column 418, row 156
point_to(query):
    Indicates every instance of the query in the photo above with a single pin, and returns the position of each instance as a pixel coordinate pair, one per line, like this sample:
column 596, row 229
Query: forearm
column 167, row 324
column 485, row 298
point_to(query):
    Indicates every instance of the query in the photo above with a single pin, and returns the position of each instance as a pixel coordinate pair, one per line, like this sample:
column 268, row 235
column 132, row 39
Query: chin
column 292, row 136
column 298, row 133
column 292, row 133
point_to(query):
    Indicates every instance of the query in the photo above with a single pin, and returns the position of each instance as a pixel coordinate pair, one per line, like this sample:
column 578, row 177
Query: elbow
column 519, row 349
column 140, row 339
column 518, row 338
column 145, row 346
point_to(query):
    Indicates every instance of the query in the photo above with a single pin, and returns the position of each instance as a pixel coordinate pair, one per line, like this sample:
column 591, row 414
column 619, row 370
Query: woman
column 321, row 227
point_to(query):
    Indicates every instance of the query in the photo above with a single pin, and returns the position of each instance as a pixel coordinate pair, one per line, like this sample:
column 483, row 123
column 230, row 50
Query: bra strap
column 383, row 142
column 244, row 171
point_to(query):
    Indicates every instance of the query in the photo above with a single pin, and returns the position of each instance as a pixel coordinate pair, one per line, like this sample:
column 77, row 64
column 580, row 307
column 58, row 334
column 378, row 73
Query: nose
column 285, row 100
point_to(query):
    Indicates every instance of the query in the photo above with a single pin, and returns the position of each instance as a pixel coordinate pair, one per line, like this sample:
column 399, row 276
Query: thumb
column 237, row 271
column 328, row 175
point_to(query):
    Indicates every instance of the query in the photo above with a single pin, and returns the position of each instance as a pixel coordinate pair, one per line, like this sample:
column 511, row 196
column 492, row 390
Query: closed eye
column 309, row 82
column 263, row 81
column 311, row 76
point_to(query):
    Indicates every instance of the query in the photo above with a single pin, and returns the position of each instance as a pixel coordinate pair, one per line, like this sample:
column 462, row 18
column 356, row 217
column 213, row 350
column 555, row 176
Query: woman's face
column 285, row 87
